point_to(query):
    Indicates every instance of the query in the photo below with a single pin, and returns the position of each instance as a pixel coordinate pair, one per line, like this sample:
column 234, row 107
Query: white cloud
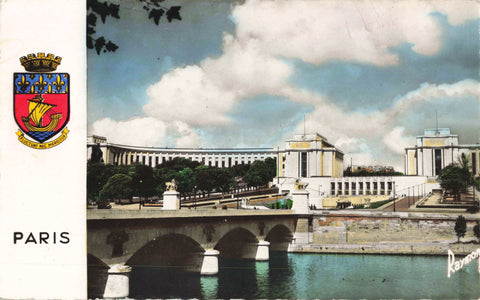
column 187, row 137
column 364, row 31
column 245, row 70
column 457, row 12
column 432, row 92
column 203, row 95
column 136, row 131
column 396, row 141
column 189, row 95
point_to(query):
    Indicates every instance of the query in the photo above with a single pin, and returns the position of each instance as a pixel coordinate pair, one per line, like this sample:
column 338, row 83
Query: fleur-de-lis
column 40, row 84
column 32, row 89
column 58, row 83
column 23, row 84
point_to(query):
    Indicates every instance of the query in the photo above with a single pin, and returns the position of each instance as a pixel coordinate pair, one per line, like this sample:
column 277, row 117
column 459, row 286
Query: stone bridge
column 190, row 240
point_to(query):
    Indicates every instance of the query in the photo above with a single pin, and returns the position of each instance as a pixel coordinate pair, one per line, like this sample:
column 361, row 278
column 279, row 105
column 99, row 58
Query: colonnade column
column 210, row 262
column 117, row 282
column 262, row 250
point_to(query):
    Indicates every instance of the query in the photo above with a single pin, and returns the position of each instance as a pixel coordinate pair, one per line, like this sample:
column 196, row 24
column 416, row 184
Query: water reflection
column 209, row 285
column 310, row 276
column 153, row 282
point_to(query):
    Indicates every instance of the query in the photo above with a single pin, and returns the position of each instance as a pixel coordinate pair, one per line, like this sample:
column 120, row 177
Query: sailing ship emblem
column 41, row 102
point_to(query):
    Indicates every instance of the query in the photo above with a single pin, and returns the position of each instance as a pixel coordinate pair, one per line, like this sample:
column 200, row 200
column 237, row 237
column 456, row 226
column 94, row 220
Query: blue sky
column 368, row 75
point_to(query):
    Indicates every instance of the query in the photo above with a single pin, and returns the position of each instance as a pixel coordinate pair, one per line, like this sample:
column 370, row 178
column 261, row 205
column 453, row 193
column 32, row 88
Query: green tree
column 240, row 170
column 95, row 179
column 97, row 176
column 465, row 165
column 460, row 227
column 476, row 231
column 271, row 165
column 224, row 180
column 452, row 178
column 118, row 186
column 143, row 182
column 260, row 173
column 162, row 176
column 186, row 181
column 97, row 155
column 205, row 179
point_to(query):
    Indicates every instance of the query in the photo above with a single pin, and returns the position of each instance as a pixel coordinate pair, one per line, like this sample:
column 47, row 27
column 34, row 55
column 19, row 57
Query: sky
column 369, row 76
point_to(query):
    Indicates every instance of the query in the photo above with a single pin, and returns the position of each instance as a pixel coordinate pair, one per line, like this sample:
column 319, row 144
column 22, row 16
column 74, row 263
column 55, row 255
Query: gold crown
column 40, row 62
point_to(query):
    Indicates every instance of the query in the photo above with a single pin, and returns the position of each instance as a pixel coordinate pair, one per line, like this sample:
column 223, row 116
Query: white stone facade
column 436, row 149
column 310, row 155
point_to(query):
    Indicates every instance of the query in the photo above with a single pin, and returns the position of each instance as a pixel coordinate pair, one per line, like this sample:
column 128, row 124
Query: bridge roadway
column 188, row 239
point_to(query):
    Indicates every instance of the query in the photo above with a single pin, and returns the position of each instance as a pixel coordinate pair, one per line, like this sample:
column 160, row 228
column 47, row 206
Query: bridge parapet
column 110, row 214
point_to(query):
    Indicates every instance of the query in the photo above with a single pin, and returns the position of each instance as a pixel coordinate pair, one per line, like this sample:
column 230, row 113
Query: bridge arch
column 279, row 238
column 169, row 261
column 238, row 243
column 169, row 251
column 97, row 274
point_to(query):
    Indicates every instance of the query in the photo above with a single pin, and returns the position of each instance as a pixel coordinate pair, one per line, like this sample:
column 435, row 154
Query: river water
column 309, row 276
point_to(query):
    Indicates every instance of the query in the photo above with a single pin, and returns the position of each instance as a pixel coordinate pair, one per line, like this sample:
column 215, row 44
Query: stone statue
column 300, row 186
column 171, row 186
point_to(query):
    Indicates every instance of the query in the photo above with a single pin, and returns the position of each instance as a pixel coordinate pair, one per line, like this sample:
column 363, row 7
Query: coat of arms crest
column 41, row 101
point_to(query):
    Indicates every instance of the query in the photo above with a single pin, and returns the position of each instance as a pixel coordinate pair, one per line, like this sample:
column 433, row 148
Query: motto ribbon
column 34, row 145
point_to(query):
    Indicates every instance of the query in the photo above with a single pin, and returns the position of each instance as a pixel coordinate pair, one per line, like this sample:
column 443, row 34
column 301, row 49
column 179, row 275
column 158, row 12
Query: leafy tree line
column 364, row 172
column 108, row 182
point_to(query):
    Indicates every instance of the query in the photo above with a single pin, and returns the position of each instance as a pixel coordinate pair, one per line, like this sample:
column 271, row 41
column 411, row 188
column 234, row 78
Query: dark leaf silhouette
column 114, row 9
column 99, row 43
column 111, row 47
column 156, row 2
column 173, row 13
column 90, row 30
column 106, row 9
column 156, row 14
column 91, row 19
column 102, row 10
column 89, row 42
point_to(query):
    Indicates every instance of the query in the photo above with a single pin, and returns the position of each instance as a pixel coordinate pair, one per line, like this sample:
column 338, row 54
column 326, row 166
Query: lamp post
column 195, row 196
column 418, row 193
column 140, row 200
column 394, row 196
column 408, row 196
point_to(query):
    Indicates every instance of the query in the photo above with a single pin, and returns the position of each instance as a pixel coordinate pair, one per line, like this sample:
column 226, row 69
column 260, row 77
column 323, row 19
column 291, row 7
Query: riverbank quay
column 386, row 248
column 376, row 232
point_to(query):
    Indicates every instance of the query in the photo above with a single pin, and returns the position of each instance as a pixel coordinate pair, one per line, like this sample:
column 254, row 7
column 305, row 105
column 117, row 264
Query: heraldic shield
column 41, row 104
